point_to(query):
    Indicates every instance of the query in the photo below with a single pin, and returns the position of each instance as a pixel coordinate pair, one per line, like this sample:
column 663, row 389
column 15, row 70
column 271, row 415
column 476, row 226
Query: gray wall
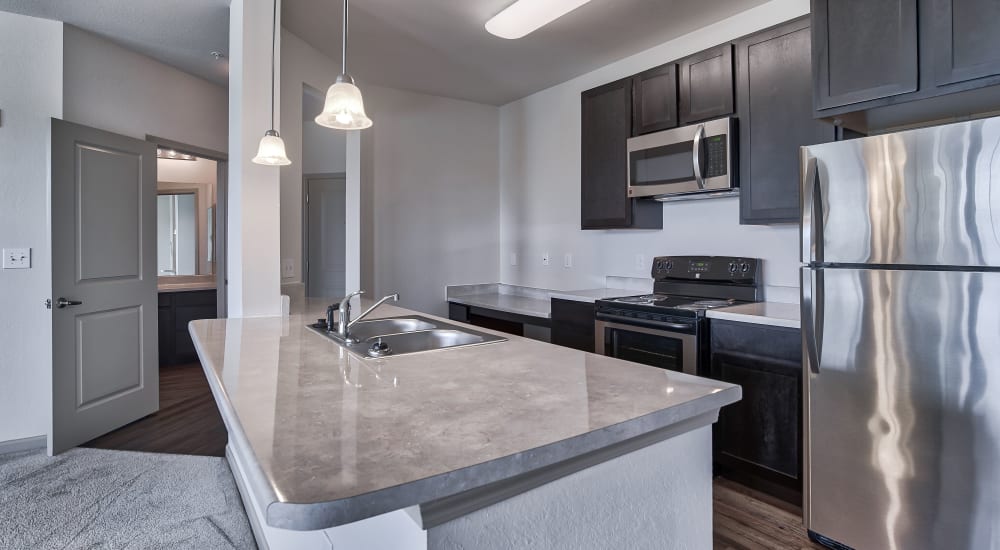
column 31, row 92
column 115, row 89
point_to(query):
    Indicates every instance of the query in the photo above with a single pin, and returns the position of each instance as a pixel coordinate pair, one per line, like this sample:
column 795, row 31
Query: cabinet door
column 762, row 429
column 654, row 100
column 863, row 50
column 606, row 124
column 776, row 118
column 966, row 40
column 706, row 84
column 573, row 324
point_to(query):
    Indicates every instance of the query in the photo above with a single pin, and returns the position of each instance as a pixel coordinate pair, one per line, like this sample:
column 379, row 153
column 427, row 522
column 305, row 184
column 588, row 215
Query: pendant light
column 272, row 148
column 344, row 109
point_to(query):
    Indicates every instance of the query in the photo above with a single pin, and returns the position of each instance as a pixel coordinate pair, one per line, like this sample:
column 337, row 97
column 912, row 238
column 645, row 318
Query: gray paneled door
column 104, row 343
column 326, row 240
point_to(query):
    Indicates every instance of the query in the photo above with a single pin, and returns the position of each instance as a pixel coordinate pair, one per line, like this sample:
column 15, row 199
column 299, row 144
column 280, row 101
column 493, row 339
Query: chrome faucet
column 345, row 323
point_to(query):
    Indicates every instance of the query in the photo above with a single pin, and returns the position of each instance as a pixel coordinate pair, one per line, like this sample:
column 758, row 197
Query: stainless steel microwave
column 686, row 161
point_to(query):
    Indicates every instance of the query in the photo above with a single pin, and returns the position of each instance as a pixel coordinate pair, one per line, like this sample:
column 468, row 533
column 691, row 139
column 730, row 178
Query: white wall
column 115, row 89
column 429, row 192
column 540, row 185
column 31, row 89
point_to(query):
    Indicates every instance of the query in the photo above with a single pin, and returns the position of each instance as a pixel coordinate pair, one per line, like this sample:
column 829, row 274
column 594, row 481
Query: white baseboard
column 26, row 444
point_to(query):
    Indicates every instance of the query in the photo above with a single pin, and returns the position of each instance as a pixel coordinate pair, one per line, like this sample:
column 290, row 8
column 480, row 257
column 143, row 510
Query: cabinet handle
column 696, row 156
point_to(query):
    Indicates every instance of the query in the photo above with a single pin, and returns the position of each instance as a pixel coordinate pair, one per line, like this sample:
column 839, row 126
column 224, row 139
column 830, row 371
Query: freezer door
column 928, row 197
column 903, row 409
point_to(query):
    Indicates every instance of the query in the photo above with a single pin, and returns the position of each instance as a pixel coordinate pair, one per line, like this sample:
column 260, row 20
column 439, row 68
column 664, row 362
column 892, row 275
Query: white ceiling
column 433, row 46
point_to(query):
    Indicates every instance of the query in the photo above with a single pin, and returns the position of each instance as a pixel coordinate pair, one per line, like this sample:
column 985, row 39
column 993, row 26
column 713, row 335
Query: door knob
column 63, row 302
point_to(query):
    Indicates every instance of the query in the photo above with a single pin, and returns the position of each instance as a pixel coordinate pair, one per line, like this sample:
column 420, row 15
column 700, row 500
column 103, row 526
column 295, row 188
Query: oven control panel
column 706, row 268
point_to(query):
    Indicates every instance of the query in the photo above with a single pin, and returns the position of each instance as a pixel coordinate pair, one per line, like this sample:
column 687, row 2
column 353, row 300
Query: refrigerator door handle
column 812, row 209
column 813, row 298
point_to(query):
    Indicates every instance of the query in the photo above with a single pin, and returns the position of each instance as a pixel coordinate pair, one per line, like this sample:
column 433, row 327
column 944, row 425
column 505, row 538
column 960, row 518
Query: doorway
column 323, row 235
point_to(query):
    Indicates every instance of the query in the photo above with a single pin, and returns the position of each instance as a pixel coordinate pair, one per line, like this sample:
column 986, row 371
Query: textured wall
column 657, row 497
column 118, row 90
column 30, row 93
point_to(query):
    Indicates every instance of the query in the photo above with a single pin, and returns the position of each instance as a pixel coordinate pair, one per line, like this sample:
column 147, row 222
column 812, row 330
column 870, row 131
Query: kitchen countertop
column 762, row 313
column 511, row 303
column 337, row 438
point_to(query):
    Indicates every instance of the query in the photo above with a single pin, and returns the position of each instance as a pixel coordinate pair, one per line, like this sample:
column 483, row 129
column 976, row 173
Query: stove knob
column 659, row 264
column 732, row 267
column 670, row 265
column 745, row 267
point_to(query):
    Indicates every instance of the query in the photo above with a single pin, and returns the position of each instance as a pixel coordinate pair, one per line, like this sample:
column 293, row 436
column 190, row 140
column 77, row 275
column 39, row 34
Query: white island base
column 653, row 492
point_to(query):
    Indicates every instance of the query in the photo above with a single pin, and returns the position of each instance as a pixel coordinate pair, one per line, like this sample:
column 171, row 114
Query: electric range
column 668, row 328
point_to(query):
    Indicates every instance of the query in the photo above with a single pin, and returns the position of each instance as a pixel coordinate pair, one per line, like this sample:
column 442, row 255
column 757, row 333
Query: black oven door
column 674, row 348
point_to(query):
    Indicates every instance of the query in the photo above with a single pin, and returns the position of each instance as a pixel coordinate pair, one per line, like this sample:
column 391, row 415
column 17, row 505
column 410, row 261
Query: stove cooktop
column 687, row 303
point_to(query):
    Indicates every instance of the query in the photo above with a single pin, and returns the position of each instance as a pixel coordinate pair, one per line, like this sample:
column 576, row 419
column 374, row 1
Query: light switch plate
column 568, row 260
column 287, row 268
column 545, row 258
column 17, row 258
column 513, row 258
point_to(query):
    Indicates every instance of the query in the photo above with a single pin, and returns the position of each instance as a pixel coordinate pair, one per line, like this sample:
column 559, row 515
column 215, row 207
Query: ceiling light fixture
column 526, row 16
column 170, row 154
column 344, row 109
column 272, row 148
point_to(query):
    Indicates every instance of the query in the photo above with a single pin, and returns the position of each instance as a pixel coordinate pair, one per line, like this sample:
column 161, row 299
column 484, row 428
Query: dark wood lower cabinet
column 176, row 310
column 573, row 324
column 758, row 440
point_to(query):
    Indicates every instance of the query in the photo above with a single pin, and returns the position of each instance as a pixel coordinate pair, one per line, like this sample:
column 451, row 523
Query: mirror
column 185, row 211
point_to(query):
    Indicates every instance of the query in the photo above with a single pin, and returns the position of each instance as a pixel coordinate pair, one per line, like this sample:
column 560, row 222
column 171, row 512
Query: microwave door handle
column 696, row 156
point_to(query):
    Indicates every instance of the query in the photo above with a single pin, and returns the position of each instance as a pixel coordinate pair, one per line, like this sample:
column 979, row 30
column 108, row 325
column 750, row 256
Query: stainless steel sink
column 405, row 335
column 363, row 330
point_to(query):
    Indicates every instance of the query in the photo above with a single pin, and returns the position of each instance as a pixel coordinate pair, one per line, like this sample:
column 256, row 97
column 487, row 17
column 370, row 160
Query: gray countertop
column 337, row 438
column 533, row 302
column 521, row 305
column 762, row 313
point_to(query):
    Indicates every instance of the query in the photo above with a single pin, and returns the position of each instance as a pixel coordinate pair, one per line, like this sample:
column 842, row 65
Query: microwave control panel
column 716, row 157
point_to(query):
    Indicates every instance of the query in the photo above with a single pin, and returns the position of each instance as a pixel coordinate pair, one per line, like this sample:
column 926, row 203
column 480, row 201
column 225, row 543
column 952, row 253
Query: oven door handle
column 696, row 156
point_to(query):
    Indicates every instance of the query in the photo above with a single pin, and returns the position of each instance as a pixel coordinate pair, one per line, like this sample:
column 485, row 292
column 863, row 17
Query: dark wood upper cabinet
column 774, row 80
column 863, row 50
column 706, row 84
column 965, row 40
column 606, row 125
column 654, row 100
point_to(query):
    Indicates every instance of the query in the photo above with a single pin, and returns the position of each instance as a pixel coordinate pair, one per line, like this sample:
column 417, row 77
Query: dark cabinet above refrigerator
column 879, row 64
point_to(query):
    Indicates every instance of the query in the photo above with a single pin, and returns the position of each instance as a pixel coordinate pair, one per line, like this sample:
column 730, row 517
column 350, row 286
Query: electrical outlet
column 568, row 260
column 640, row 262
column 287, row 268
column 17, row 258
column 513, row 258
column 545, row 258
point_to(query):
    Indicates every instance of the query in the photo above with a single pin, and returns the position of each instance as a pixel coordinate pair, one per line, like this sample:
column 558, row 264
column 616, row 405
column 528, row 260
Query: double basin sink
column 404, row 335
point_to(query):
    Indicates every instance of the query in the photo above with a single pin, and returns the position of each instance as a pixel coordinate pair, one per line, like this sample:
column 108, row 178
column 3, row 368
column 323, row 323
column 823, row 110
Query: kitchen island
column 515, row 444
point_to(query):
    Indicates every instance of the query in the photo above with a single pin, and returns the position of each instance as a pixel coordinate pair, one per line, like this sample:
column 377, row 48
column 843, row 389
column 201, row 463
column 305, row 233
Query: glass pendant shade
column 271, row 150
column 344, row 109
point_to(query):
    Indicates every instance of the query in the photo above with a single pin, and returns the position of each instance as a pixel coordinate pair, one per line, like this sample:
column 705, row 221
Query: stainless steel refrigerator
column 901, row 329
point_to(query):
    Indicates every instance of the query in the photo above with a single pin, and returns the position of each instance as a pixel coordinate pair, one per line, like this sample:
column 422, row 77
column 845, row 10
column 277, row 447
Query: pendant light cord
column 274, row 40
column 343, row 66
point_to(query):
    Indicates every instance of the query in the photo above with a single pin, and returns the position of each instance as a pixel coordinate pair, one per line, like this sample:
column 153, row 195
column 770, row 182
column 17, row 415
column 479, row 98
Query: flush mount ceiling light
column 344, row 109
column 271, row 150
column 170, row 154
column 526, row 16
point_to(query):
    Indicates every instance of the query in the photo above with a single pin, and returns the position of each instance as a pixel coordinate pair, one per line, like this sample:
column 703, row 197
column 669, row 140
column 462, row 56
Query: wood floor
column 747, row 520
column 189, row 423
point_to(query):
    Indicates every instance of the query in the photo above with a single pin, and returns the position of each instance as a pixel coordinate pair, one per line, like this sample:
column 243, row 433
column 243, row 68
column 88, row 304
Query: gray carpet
column 91, row 498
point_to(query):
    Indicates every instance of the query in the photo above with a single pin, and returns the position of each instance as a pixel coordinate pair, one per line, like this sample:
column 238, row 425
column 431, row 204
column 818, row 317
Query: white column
column 254, row 270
